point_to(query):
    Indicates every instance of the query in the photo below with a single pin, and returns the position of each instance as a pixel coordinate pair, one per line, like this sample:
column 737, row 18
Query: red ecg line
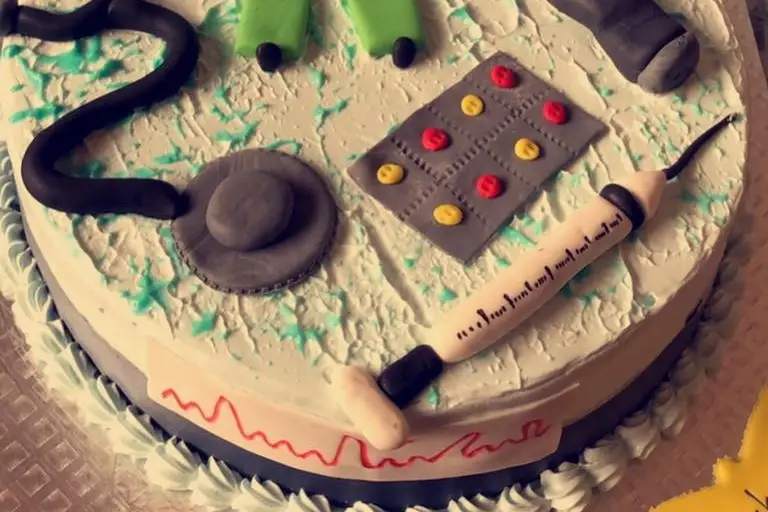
column 465, row 445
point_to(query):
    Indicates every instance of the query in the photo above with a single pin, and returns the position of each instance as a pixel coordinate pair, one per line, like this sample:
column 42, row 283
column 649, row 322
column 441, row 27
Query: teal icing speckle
column 317, row 78
column 502, row 262
column 108, row 69
column 205, row 324
column 704, row 201
column 221, row 93
column 238, row 139
column 648, row 301
column 587, row 298
column 49, row 110
column 174, row 156
column 38, row 79
column 301, row 336
column 516, row 236
column 12, row 50
column 462, row 13
column 350, row 52
column 447, row 295
column 433, row 396
column 293, row 329
column 216, row 20
column 151, row 291
column 323, row 113
column 537, row 227
column 293, row 144
column 180, row 270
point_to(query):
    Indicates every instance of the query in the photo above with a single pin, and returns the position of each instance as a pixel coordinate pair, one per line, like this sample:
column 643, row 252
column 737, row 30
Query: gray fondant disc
column 280, row 260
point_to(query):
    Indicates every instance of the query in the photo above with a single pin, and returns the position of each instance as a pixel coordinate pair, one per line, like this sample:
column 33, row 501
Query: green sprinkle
column 447, row 295
column 206, row 323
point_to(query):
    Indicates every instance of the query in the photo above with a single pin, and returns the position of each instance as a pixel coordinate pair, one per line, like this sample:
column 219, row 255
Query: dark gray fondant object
column 8, row 9
column 479, row 145
column 648, row 46
column 257, row 221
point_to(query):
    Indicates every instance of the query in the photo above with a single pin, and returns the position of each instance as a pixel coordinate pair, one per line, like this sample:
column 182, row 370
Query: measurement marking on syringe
column 511, row 302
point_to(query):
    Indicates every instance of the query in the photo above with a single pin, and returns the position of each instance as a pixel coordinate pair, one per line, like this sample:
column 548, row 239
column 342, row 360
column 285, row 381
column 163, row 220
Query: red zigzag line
column 465, row 445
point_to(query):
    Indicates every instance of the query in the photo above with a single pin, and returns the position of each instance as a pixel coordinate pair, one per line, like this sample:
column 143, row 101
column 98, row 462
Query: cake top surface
column 378, row 291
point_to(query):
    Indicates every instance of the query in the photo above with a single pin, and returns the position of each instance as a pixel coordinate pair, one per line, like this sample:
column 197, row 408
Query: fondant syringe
column 375, row 408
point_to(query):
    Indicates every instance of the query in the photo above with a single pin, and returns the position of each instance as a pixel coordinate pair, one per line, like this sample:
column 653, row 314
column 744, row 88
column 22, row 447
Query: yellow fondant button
column 448, row 215
column 526, row 149
column 390, row 174
column 472, row 105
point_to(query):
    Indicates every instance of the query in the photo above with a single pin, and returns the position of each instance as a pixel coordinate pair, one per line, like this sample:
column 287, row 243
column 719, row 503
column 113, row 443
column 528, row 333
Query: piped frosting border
column 172, row 465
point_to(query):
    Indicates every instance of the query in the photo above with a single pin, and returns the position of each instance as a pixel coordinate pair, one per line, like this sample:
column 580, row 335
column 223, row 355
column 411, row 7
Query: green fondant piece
column 283, row 23
column 379, row 24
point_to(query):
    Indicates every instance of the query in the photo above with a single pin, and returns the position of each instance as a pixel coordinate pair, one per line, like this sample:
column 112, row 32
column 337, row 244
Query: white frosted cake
column 552, row 409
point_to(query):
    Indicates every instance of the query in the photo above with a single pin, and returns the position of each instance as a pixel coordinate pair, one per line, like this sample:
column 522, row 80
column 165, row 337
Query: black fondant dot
column 247, row 213
column 269, row 56
column 404, row 52
column 409, row 376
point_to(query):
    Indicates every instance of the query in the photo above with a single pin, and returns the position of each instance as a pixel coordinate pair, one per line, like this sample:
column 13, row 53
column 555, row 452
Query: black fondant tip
column 685, row 159
column 404, row 52
column 671, row 66
column 269, row 56
column 9, row 11
column 409, row 376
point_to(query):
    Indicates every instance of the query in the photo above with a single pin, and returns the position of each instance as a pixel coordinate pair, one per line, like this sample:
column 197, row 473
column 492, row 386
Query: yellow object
column 740, row 485
column 472, row 105
column 390, row 174
column 448, row 215
column 526, row 149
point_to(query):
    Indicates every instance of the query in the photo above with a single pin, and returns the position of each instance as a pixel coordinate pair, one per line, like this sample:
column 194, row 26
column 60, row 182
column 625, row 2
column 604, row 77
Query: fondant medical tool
column 152, row 198
column 389, row 27
column 375, row 407
column 272, row 31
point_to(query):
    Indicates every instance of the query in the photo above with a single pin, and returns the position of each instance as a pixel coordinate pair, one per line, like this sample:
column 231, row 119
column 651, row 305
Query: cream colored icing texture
column 172, row 465
column 375, row 295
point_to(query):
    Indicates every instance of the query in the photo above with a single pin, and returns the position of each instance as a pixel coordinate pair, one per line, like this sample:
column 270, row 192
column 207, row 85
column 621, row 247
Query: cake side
column 172, row 464
column 264, row 343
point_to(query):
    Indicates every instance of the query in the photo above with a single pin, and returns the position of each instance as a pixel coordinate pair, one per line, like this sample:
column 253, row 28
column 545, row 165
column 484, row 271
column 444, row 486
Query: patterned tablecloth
column 49, row 462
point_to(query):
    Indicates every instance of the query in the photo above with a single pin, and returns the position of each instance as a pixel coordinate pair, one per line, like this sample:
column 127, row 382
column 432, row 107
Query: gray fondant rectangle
column 480, row 145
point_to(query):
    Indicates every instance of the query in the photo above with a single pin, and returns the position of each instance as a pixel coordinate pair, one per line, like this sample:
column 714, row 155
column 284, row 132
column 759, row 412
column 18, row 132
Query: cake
column 326, row 357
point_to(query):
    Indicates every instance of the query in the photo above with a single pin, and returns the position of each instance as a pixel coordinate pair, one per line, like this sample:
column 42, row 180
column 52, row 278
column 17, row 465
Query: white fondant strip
column 515, row 437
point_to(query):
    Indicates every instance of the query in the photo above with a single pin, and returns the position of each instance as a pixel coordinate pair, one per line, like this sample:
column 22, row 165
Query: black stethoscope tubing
column 146, row 197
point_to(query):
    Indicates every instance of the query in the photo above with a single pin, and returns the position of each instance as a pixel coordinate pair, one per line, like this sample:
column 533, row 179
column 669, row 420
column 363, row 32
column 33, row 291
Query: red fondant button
column 488, row 186
column 503, row 77
column 434, row 139
column 555, row 112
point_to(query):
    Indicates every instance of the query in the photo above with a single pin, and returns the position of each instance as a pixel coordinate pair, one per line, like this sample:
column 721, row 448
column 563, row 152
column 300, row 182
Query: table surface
column 49, row 462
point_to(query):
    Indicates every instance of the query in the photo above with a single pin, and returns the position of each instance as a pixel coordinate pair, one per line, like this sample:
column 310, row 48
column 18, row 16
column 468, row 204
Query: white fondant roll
column 382, row 424
column 515, row 294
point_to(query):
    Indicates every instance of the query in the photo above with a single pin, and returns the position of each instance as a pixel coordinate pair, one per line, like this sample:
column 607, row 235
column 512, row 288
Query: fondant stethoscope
column 151, row 198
